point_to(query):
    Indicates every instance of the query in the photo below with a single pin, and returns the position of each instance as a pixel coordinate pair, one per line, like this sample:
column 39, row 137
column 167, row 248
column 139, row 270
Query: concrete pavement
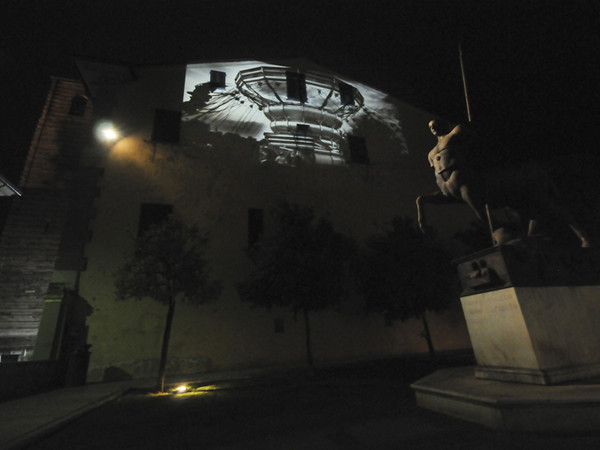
column 27, row 420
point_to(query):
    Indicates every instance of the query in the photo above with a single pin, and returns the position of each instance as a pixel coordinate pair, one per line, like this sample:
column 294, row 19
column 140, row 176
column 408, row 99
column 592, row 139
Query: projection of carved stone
column 298, row 116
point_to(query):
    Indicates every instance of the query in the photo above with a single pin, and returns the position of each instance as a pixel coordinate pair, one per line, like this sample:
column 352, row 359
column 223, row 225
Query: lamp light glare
column 109, row 134
column 106, row 132
column 181, row 389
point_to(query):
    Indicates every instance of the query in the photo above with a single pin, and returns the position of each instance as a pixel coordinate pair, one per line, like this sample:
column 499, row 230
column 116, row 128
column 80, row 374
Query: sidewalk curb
column 35, row 435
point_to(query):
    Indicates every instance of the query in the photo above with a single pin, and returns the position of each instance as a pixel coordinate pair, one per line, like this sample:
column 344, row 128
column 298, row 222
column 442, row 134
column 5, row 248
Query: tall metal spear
column 464, row 80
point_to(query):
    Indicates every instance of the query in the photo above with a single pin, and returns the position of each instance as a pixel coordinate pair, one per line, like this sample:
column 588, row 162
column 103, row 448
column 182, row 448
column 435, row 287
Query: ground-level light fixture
column 181, row 389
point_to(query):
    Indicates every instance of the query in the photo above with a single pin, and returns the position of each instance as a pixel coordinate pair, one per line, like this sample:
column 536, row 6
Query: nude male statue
column 533, row 192
column 452, row 174
column 447, row 156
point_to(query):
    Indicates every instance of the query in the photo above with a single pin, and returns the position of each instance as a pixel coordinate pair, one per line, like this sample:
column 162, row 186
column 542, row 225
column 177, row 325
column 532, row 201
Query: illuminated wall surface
column 297, row 116
column 251, row 135
column 244, row 125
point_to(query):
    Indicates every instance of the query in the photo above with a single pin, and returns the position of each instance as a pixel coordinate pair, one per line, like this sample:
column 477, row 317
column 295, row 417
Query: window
column 151, row 214
column 78, row 104
column 255, row 225
column 217, row 79
column 358, row 150
column 302, row 129
column 166, row 126
column 279, row 328
column 296, row 86
column 346, row 93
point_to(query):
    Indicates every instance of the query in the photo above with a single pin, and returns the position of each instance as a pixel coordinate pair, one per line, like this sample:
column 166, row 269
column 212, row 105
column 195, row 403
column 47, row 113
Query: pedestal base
column 511, row 406
column 535, row 376
column 535, row 334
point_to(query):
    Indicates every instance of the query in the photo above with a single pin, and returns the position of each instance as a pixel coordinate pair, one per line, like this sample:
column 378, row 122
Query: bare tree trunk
column 309, row 355
column 162, row 368
column 427, row 336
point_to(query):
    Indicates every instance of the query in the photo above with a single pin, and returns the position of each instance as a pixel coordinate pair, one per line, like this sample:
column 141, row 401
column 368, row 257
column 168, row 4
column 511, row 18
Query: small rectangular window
column 358, row 150
column 166, row 126
column 346, row 94
column 217, row 79
column 255, row 225
column 279, row 328
column 302, row 129
column 151, row 214
column 296, row 86
column 78, row 104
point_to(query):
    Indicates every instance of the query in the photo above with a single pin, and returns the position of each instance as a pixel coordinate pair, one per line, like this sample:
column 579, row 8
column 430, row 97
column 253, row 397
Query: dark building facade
column 220, row 145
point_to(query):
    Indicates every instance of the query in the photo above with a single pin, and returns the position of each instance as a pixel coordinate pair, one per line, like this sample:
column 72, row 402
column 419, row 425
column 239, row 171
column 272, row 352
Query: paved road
column 361, row 407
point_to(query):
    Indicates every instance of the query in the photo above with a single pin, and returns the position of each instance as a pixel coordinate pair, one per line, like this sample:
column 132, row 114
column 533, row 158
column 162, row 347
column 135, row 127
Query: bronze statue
column 527, row 189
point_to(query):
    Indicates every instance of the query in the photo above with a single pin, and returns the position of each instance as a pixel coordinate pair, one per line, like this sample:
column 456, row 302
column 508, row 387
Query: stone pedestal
column 571, row 407
column 533, row 315
column 539, row 335
column 534, row 319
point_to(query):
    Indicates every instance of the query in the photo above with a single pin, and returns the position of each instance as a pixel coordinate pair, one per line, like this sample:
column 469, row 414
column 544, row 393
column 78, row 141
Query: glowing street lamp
column 107, row 132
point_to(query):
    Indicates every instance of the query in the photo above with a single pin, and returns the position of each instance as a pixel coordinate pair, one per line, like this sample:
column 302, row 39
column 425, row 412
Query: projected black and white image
column 296, row 116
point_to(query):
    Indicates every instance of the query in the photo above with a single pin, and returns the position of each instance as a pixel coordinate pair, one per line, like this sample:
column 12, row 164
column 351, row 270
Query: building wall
column 212, row 183
column 35, row 225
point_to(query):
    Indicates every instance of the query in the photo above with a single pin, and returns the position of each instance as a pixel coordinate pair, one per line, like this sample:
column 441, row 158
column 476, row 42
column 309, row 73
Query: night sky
column 531, row 65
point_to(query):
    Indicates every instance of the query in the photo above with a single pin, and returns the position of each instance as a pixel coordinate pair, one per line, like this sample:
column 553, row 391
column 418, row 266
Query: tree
column 403, row 274
column 168, row 264
column 302, row 266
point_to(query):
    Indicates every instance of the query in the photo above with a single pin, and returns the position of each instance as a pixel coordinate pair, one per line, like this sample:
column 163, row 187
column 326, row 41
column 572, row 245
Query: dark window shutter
column 279, row 325
column 166, row 126
column 346, row 93
column 302, row 129
column 358, row 150
column 217, row 79
column 296, row 86
column 255, row 225
column 78, row 104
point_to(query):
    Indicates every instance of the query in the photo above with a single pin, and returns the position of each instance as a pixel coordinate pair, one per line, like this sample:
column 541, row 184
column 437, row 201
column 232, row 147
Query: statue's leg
column 557, row 208
column 437, row 198
column 574, row 226
column 474, row 201
column 481, row 209
column 582, row 235
column 532, row 226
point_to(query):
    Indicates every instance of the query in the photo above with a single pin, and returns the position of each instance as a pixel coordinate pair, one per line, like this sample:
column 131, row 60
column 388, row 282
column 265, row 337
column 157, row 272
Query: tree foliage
column 402, row 274
column 168, row 264
column 303, row 265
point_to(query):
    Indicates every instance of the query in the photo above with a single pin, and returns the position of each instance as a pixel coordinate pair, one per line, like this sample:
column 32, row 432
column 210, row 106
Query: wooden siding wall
column 31, row 239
